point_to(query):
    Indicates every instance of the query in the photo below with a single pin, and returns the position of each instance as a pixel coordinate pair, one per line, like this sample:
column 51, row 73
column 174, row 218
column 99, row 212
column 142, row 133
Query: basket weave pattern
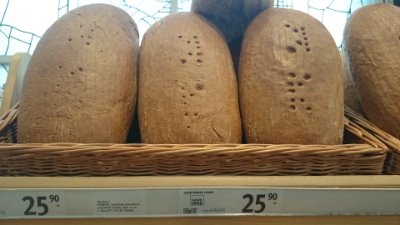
column 69, row 159
column 392, row 165
column 8, row 126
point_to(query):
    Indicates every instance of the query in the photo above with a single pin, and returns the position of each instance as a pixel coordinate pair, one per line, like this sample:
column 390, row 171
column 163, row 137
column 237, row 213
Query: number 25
column 259, row 201
column 40, row 204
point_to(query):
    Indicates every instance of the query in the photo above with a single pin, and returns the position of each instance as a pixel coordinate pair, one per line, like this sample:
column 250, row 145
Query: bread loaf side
column 350, row 95
column 372, row 44
column 187, row 86
column 80, row 85
column 291, row 82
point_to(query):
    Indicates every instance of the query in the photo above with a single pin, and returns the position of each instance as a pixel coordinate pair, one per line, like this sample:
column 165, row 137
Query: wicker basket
column 67, row 159
column 8, row 126
column 392, row 165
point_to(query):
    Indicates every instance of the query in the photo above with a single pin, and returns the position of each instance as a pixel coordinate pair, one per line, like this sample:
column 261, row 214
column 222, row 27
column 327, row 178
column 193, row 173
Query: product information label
column 32, row 204
column 186, row 202
column 229, row 201
column 123, row 202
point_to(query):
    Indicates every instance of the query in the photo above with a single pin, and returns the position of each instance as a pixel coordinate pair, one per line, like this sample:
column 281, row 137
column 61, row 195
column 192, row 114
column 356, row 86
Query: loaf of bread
column 350, row 95
column 372, row 44
column 290, row 81
column 231, row 16
column 187, row 86
column 80, row 85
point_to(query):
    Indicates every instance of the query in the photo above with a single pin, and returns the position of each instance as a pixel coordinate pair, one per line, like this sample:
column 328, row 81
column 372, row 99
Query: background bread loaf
column 372, row 44
column 291, row 82
column 80, row 85
column 231, row 16
column 187, row 86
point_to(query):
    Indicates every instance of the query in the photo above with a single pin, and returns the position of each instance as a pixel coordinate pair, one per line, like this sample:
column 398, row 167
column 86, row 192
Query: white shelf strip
column 20, row 203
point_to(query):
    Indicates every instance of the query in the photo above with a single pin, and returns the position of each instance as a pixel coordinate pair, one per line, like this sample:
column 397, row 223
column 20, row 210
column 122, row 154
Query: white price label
column 17, row 203
column 182, row 202
column 230, row 201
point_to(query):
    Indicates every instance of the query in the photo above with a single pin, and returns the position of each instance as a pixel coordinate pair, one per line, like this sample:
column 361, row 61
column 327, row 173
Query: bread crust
column 80, row 85
column 290, row 81
column 187, row 86
column 372, row 44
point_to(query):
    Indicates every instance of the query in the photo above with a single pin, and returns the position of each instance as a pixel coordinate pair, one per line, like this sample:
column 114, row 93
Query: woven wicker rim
column 392, row 164
column 383, row 136
column 8, row 117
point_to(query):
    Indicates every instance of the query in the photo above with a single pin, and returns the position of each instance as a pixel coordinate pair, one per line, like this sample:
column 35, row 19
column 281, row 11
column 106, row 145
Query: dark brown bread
column 80, row 85
column 231, row 16
column 187, row 86
column 291, row 82
column 372, row 44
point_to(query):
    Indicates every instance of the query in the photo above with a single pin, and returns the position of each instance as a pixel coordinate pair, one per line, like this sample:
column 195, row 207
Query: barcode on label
column 189, row 211
column 196, row 200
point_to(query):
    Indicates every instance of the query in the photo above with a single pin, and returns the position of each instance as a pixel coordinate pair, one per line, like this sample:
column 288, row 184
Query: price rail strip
column 20, row 203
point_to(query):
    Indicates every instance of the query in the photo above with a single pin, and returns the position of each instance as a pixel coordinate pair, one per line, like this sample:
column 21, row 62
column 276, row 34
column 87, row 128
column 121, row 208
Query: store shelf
column 389, row 181
column 381, row 193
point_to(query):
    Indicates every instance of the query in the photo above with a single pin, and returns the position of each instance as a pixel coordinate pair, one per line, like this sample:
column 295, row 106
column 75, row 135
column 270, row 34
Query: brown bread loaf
column 350, row 95
column 372, row 44
column 231, row 16
column 80, row 85
column 291, row 82
column 187, row 86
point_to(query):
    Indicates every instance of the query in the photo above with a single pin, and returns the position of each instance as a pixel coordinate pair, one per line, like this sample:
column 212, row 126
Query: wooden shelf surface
column 250, row 220
column 384, row 181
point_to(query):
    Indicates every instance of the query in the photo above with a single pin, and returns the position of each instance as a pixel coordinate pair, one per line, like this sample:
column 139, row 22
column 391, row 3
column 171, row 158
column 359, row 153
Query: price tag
column 230, row 201
column 15, row 203
column 196, row 201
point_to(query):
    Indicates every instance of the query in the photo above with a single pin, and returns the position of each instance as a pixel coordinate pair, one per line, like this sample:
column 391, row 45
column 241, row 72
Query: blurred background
column 23, row 22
